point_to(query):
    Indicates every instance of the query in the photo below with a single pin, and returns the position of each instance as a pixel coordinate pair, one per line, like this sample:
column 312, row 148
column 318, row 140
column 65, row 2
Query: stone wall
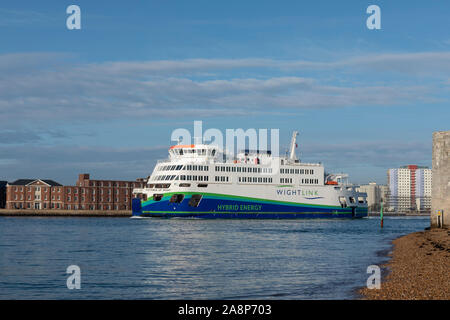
column 441, row 177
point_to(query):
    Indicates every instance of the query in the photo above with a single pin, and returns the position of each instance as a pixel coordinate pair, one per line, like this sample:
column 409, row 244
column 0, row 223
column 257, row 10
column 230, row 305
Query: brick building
column 87, row 194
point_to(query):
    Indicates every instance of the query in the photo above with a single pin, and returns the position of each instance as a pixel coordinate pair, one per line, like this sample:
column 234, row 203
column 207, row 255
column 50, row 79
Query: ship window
column 185, row 184
column 195, row 200
column 157, row 197
column 177, row 198
column 202, row 185
column 238, row 169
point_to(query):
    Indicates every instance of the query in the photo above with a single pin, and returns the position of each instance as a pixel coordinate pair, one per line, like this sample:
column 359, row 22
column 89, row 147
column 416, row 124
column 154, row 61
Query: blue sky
column 105, row 99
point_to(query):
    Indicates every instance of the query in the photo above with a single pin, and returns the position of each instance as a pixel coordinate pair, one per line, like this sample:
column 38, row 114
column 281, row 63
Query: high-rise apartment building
column 409, row 188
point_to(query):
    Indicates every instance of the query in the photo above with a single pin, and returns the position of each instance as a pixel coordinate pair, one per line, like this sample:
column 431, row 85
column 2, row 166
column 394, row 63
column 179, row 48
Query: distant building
column 375, row 195
column 87, row 194
column 3, row 194
column 409, row 189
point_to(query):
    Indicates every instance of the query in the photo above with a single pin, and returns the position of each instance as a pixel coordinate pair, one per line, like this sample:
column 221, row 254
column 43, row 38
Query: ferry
column 197, row 181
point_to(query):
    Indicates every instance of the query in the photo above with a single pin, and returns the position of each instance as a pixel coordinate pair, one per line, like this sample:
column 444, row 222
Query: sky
column 105, row 99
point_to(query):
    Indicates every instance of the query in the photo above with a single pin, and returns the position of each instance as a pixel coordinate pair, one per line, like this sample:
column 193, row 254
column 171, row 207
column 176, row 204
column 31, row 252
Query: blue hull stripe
column 214, row 207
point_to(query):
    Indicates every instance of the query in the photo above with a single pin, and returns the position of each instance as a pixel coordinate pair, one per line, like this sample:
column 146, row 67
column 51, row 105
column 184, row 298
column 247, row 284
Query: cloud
column 419, row 63
column 25, row 136
column 117, row 90
column 381, row 154
column 48, row 88
column 64, row 162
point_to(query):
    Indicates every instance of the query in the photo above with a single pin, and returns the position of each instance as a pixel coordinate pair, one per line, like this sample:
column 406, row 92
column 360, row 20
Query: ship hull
column 213, row 206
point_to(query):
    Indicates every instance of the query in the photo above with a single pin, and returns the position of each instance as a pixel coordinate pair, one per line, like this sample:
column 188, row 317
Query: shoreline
column 417, row 268
column 64, row 213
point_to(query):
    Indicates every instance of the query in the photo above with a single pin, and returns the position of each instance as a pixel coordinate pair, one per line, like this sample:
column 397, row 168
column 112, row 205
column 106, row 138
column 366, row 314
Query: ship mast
column 292, row 155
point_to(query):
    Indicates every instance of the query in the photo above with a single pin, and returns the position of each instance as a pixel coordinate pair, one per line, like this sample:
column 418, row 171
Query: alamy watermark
column 374, row 280
column 234, row 142
column 74, row 20
column 374, row 20
column 74, row 280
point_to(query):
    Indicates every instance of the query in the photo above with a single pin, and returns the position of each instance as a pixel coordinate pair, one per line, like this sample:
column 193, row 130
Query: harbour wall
column 440, row 201
column 64, row 213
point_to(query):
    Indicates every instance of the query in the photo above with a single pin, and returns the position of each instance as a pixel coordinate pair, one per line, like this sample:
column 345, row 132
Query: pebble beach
column 419, row 268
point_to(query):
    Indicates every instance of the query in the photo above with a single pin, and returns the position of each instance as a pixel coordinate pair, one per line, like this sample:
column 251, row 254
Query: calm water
column 122, row 258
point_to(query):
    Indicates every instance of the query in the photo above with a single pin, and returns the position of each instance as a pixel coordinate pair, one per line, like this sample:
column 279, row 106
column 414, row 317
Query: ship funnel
column 292, row 155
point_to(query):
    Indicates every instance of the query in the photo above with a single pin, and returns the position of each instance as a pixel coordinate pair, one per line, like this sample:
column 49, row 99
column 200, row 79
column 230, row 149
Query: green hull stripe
column 222, row 196
column 246, row 212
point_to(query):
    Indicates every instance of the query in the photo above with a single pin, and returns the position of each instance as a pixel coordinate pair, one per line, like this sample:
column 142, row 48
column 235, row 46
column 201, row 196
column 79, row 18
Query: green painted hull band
column 222, row 196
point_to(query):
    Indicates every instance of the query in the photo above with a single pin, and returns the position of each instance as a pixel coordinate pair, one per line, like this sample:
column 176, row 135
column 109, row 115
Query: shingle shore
column 419, row 268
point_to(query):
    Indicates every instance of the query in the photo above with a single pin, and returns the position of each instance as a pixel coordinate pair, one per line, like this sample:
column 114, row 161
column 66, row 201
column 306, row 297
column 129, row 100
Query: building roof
column 25, row 182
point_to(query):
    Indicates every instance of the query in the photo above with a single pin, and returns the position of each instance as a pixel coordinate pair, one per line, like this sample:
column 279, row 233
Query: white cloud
column 49, row 91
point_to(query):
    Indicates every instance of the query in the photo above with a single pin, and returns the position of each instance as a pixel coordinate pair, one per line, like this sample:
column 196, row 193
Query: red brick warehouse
column 87, row 194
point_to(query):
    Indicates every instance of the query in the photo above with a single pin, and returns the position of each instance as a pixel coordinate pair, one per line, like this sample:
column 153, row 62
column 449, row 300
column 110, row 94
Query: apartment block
column 410, row 188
